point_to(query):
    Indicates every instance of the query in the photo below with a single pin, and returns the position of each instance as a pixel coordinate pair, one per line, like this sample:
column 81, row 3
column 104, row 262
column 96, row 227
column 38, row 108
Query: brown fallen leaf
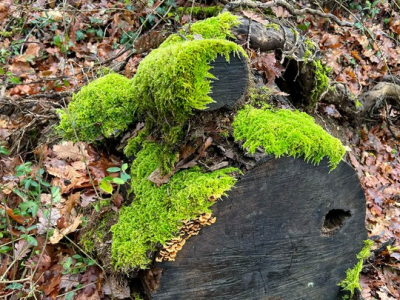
column 69, row 151
column 72, row 201
column 59, row 234
column 255, row 17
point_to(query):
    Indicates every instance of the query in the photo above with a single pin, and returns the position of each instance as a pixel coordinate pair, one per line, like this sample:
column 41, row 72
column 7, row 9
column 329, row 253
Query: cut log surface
column 231, row 83
column 287, row 230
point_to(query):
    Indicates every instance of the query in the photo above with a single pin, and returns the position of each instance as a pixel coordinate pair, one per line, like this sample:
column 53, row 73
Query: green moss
column 135, row 143
column 6, row 34
column 285, row 132
column 352, row 280
column 95, row 236
column 173, row 81
column 156, row 213
column 321, row 81
column 201, row 12
column 260, row 96
column 309, row 49
column 274, row 26
column 103, row 107
column 218, row 27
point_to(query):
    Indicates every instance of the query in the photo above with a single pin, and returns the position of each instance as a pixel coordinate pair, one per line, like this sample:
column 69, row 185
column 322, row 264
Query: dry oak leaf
column 22, row 248
column 255, row 17
column 68, row 151
column 59, row 234
column 22, row 69
column 31, row 52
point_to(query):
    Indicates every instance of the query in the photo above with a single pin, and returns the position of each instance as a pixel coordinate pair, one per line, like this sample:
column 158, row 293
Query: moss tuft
column 218, row 27
column 98, row 109
column 321, row 81
column 95, row 236
column 174, row 80
column 200, row 11
column 285, row 132
column 352, row 280
column 156, row 213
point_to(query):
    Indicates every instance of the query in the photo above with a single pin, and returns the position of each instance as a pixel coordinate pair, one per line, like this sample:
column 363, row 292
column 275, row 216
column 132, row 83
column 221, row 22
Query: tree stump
column 287, row 230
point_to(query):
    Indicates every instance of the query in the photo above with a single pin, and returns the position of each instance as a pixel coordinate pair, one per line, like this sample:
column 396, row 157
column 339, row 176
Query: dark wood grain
column 268, row 241
column 231, row 83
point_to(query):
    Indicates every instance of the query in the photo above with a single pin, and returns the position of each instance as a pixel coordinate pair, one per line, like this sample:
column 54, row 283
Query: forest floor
column 50, row 49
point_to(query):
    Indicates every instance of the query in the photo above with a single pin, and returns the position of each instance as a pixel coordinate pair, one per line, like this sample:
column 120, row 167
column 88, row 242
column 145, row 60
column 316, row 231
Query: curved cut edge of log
column 287, row 230
column 231, row 81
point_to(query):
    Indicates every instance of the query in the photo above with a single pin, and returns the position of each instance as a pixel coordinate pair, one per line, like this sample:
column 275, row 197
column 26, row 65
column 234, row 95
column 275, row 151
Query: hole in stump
column 334, row 220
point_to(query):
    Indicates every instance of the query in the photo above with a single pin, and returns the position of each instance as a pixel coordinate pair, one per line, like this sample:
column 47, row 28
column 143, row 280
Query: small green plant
column 3, row 150
column 76, row 264
column 106, row 184
column 352, row 280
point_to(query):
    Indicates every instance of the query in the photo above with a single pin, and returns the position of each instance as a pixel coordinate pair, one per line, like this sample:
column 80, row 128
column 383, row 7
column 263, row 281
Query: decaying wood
column 287, row 230
column 384, row 93
column 269, row 38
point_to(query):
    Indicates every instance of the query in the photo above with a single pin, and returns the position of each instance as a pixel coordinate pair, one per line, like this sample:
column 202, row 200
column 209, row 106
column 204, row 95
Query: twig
column 294, row 11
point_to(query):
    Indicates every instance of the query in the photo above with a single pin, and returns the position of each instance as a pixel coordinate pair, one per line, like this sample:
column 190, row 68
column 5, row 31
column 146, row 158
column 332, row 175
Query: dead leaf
column 280, row 12
column 59, row 234
column 269, row 66
column 159, row 179
column 21, row 69
column 54, row 14
column 219, row 166
column 69, row 151
column 94, row 296
column 72, row 201
column 88, row 197
column 117, row 200
column 255, row 17
column 49, row 221
column 18, row 218
column 21, row 249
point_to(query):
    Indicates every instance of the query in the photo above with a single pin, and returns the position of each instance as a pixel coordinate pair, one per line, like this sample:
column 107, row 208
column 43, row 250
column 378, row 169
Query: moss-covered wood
column 287, row 230
column 286, row 133
column 171, row 83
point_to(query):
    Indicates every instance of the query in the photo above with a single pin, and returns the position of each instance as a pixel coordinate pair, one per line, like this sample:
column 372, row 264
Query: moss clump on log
column 199, row 11
column 169, row 94
column 174, row 79
column 156, row 213
column 102, row 108
column 284, row 132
